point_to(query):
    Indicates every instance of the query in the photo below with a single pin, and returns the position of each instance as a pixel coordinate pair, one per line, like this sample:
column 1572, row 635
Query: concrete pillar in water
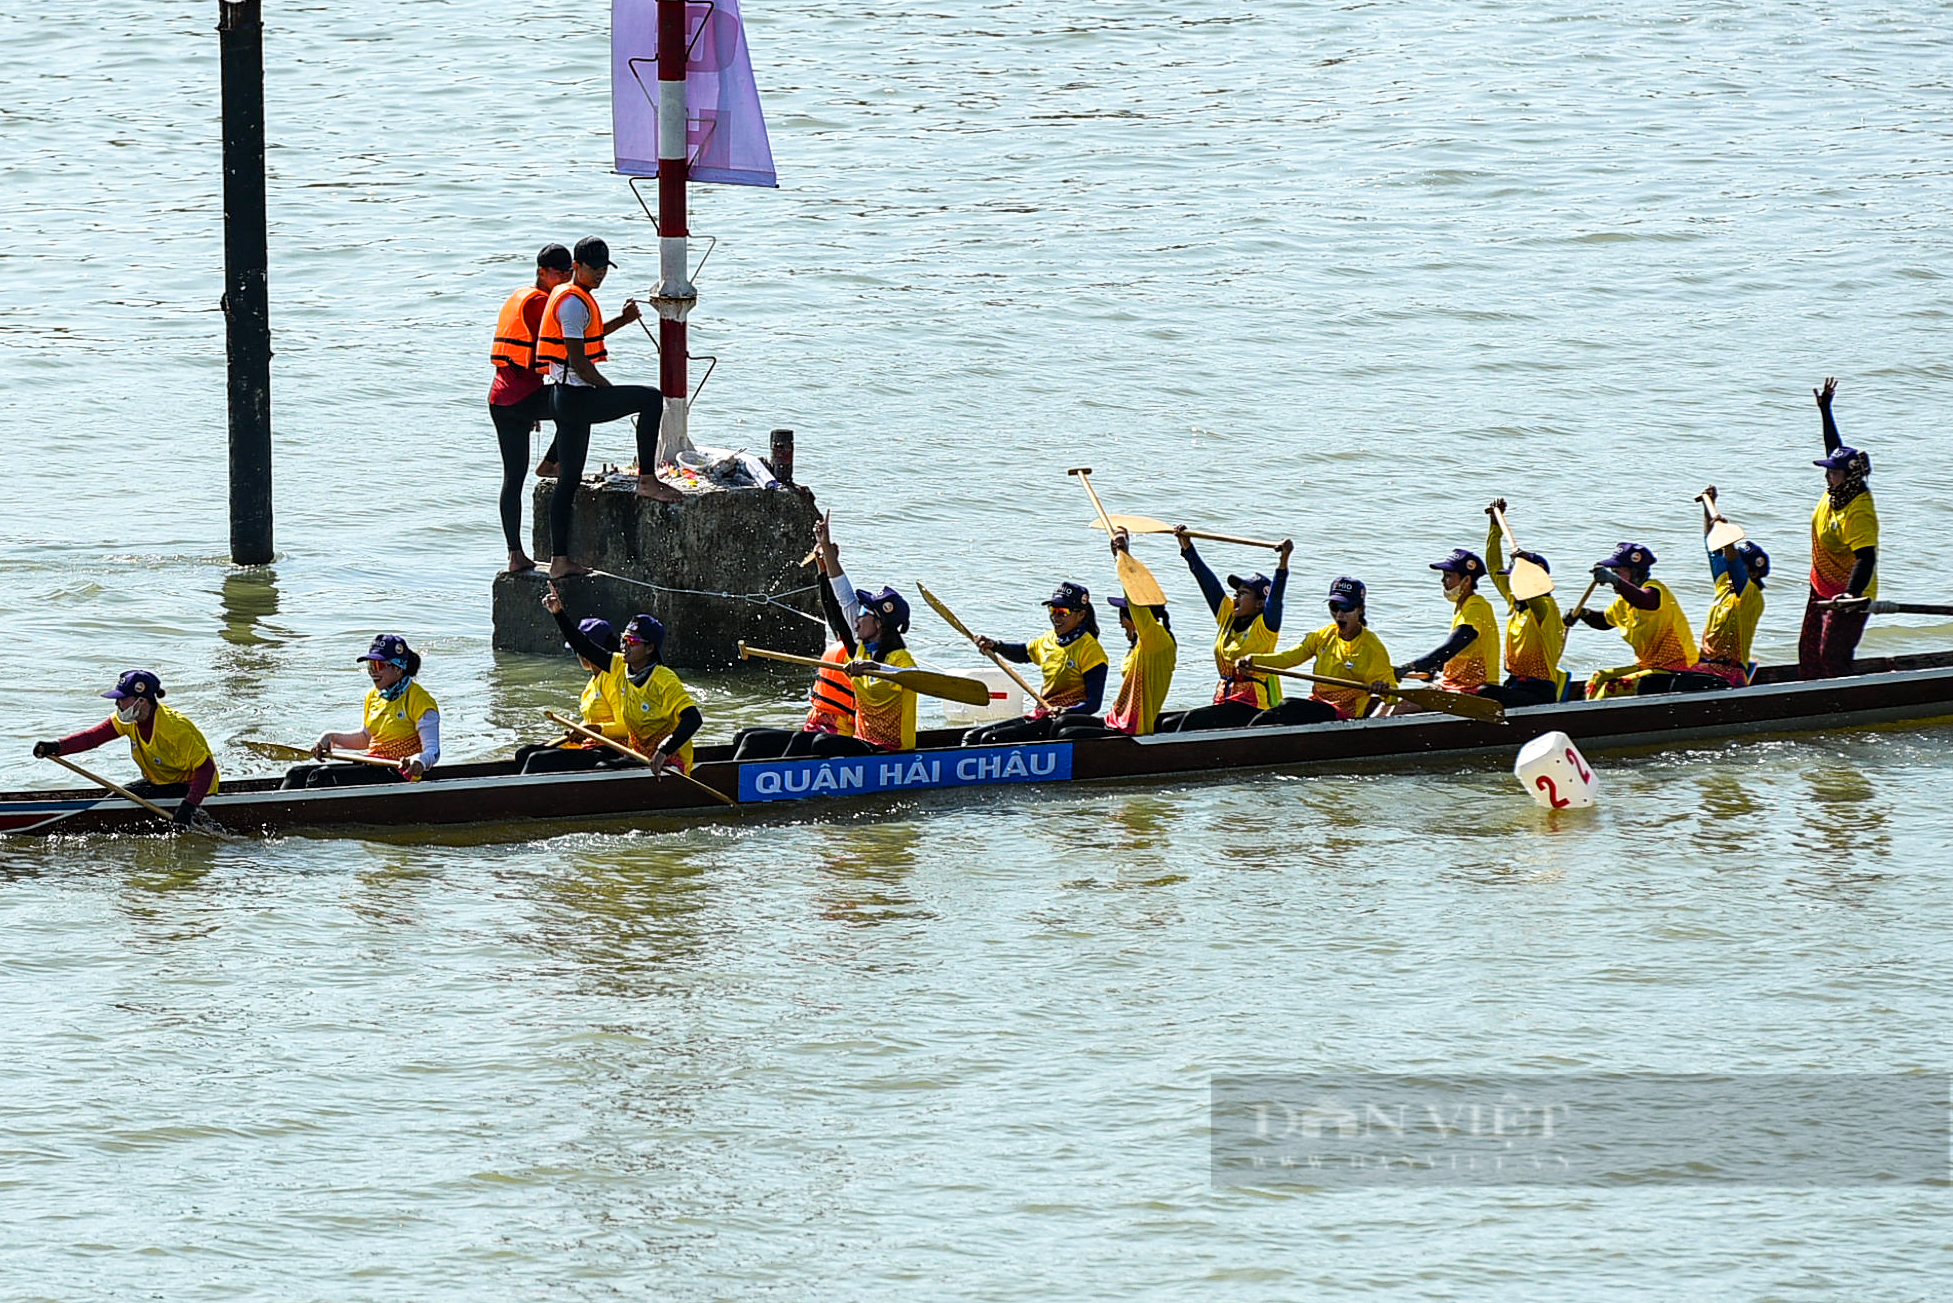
column 247, row 295
column 740, row 542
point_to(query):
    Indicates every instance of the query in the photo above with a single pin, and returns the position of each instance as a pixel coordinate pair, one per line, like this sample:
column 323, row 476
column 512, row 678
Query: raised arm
column 1825, row 393
column 837, row 619
column 1210, row 587
column 1271, row 610
column 1494, row 551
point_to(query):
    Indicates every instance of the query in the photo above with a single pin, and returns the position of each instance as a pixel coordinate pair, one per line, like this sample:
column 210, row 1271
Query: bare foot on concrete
column 545, row 470
column 519, row 562
column 561, row 567
column 650, row 486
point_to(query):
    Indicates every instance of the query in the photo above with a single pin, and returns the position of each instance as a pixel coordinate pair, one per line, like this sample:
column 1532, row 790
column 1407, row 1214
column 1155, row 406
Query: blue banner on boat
column 789, row 780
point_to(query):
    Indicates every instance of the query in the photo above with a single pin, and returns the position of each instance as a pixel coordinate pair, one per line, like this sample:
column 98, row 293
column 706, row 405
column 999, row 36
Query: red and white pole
column 675, row 295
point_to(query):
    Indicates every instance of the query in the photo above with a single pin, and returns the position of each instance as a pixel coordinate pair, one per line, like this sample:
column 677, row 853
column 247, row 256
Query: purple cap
column 1069, row 596
column 886, row 605
column 554, row 257
column 1630, row 554
column 1752, row 554
column 1347, row 592
column 1461, row 562
column 388, row 648
column 1533, row 557
column 1259, row 583
column 599, row 632
column 136, row 683
column 646, row 629
column 1842, row 457
column 593, row 252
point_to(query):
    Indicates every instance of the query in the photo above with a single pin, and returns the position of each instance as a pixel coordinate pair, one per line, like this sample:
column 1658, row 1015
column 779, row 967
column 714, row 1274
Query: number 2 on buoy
column 1545, row 784
column 1573, row 758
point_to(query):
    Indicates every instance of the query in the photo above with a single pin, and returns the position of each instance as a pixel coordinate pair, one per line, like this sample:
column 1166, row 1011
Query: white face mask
column 125, row 710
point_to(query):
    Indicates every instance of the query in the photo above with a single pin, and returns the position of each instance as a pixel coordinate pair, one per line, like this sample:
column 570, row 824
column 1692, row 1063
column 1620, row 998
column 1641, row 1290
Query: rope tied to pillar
column 757, row 599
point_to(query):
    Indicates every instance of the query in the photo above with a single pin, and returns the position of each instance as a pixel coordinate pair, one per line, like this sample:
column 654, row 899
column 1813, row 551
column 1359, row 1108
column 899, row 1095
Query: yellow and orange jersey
column 1836, row 536
column 1661, row 638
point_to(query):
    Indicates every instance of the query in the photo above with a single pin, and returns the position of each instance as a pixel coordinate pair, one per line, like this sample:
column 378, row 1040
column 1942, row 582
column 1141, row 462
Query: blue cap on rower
column 1461, row 562
column 1630, row 555
column 1533, row 557
column 886, row 605
column 389, row 648
column 1346, row 594
column 136, row 683
column 1069, row 597
column 599, row 632
column 1755, row 557
column 1847, row 458
column 645, row 628
column 1258, row 583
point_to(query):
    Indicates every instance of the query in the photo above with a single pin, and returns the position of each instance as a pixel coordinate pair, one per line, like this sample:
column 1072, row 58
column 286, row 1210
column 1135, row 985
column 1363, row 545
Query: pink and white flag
column 725, row 136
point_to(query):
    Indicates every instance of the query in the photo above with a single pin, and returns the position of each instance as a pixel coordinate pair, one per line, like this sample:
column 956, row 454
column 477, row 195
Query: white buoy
column 1555, row 774
column 1006, row 701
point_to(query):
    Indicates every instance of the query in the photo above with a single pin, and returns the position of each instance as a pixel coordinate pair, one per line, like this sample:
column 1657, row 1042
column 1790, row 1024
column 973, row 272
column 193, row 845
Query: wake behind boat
column 1899, row 689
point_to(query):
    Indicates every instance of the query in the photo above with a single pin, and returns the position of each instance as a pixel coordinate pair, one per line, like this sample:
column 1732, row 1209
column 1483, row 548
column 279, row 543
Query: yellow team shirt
column 884, row 712
column 1064, row 666
column 1144, row 676
column 1661, row 638
column 173, row 751
column 1835, row 537
column 392, row 727
column 1535, row 635
column 1362, row 658
column 1230, row 645
column 1471, row 668
column 599, row 709
column 1731, row 622
column 649, row 711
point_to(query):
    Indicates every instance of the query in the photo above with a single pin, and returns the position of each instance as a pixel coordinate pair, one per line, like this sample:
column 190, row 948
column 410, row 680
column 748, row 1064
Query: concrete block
column 741, row 542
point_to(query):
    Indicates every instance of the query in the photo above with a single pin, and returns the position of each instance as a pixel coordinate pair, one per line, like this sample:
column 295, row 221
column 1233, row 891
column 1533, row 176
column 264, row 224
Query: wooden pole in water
column 247, row 296
column 676, row 294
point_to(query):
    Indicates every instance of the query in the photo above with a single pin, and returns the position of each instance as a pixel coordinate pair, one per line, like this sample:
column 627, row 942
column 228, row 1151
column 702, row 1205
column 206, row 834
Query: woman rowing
column 884, row 712
column 1649, row 618
column 1738, row 571
column 1534, row 633
column 1463, row 661
column 1145, row 675
column 1844, row 554
column 1345, row 648
column 1247, row 622
column 400, row 722
column 658, row 716
column 831, row 701
column 598, row 707
column 1070, row 660
column 174, row 759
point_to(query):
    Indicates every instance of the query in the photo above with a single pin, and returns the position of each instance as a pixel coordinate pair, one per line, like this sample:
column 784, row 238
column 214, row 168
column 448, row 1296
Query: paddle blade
column 950, row 687
column 1528, row 579
column 274, row 750
column 1465, row 704
column 1135, row 524
column 1138, row 582
column 1724, row 533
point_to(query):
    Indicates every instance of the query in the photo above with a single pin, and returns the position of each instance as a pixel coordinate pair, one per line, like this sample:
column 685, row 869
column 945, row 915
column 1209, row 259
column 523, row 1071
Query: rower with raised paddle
column 1247, row 622
column 599, row 708
column 1145, row 676
column 1535, row 635
column 1737, row 568
column 168, row 749
column 830, row 701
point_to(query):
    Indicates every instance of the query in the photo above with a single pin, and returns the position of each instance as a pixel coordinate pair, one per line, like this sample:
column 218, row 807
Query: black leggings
column 340, row 775
column 830, row 744
column 761, row 743
column 546, row 759
column 1522, row 692
column 1296, row 710
column 575, row 408
column 1012, row 730
column 1225, row 714
column 1082, row 728
column 512, row 425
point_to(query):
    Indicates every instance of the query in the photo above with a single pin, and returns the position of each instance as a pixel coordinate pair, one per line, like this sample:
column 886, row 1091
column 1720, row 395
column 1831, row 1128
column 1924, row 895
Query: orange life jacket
column 830, row 706
column 515, row 343
column 550, row 348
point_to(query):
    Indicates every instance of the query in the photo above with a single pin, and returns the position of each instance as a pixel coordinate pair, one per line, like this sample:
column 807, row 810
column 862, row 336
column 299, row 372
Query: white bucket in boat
column 1555, row 774
column 1006, row 701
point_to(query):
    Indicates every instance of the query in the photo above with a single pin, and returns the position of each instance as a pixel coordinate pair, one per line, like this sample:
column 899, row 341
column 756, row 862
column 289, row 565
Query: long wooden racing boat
column 1885, row 690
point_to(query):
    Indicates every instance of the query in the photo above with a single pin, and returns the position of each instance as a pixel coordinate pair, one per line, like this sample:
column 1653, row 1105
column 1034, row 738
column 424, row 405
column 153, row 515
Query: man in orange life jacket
column 517, row 399
column 570, row 343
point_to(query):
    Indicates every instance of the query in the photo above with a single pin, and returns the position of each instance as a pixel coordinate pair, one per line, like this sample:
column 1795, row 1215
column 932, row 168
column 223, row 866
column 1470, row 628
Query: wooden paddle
column 148, row 805
column 1723, row 532
column 1526, row 579
column 622, row 750
column 950, row 687
column 1483, row 709
column 949, row 618
column 1581, row 605
column 274, row 750
column 1135, row 578
column 1147, row 525
column 362, row 758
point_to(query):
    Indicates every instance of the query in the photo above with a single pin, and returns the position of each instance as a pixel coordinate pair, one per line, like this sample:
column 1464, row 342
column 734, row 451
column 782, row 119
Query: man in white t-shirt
column 580, row 396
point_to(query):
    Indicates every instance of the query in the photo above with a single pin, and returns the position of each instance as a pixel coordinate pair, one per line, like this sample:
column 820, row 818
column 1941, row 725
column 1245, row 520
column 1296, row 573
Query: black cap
column 553, row 257
column 1069, row 596
column 592, row 252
